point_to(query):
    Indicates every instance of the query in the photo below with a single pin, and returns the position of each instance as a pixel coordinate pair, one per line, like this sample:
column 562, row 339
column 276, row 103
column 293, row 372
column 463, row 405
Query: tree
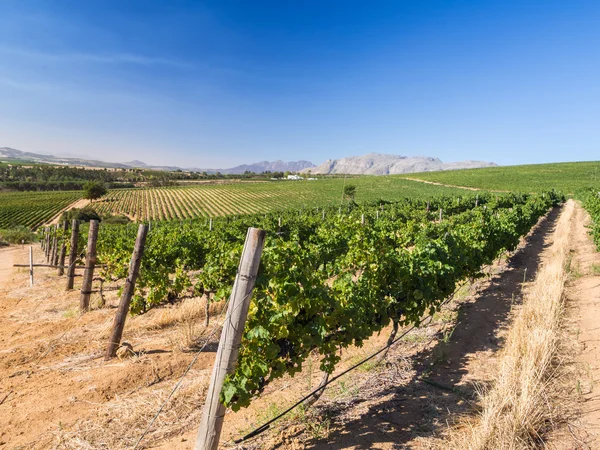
column 349, row 192
column 93, row 190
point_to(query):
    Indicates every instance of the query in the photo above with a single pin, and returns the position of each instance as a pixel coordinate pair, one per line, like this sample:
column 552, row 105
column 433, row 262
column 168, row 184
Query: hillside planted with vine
column 329, row 277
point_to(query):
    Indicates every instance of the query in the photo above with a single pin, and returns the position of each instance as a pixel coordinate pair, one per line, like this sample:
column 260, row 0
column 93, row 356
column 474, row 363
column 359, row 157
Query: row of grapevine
column 31, row 209
column 591, row 202
column 330, row 277
column 184, row 202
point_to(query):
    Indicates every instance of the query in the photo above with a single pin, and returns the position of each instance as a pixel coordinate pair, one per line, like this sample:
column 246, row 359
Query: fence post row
column 54, row 245
column 90, row 263
column 30, row 266
column 73, row 254
column 209, row 431
column 63, row 249
column 47, row 249
column 128, row 289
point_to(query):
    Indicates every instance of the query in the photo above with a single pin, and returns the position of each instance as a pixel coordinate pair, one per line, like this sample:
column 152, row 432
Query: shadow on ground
column 422, row 409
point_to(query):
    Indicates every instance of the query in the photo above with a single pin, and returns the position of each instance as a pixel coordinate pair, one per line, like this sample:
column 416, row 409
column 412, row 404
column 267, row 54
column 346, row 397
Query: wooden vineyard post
column 427, row 209
column 323, row 215
column 362, row 219
column 57, row 241
column 54, row 245
column 128, row 289
column 476, row 200
column 30, row 266
column 72, row 254
column 231, row 337
column 210, row 224
column 377, row 215
column 90, row 263
column 440, row 214
column 63, row 250
column 48, row 243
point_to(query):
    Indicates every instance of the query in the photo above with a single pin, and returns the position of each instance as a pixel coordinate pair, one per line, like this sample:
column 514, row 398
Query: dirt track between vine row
column 81, row 203
column 468, row 188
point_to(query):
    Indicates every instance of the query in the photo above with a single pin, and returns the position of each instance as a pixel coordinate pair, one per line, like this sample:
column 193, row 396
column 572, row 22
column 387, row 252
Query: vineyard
column 183, row 202
column 329, row 278
column 568, row 177
column 591, row 202
column 32, row 209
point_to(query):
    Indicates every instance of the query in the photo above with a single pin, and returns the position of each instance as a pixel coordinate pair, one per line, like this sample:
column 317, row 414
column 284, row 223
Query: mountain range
column 10, row 154
column 371, row 164
column 381, row 164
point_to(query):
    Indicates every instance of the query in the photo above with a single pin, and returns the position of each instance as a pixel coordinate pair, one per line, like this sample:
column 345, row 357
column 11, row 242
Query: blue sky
column 219, row 83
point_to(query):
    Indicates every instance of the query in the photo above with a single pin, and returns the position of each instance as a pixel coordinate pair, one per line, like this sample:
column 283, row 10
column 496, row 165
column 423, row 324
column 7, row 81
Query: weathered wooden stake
column 54, row 254
column 72, row 254
column 134, row 268
column 90, row 263
column 323, row 215
column 427, row 209
column 63, row 250
column 440, row 214
column 47, row 250
column 30, row 266
column 362, row 219
column 210, row 224
column 231, row 336
column 476, row 200
column 377, row 215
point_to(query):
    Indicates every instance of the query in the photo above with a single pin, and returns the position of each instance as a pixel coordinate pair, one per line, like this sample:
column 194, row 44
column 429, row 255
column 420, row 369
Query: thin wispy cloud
column 93, row 58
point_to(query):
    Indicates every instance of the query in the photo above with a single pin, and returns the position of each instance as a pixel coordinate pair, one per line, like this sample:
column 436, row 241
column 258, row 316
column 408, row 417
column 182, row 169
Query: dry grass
column 524, row 402
column 121, row 422
column 188, row 318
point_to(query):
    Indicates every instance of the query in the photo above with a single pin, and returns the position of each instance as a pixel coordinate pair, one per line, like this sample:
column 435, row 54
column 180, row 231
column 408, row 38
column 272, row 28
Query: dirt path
column 468, row 188
column 584, row 308
column 78, row 204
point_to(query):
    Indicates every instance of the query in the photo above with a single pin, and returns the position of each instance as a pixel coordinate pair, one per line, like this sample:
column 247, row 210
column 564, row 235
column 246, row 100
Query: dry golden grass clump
column 524, row 402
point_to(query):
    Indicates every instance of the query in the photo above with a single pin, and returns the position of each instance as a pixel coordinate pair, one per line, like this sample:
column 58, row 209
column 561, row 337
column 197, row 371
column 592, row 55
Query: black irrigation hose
column 267, row 425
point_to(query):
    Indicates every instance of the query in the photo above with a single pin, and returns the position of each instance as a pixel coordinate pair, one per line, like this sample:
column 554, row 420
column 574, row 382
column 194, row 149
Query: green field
column 566, row 177
column 33, row 208
column 212, row 200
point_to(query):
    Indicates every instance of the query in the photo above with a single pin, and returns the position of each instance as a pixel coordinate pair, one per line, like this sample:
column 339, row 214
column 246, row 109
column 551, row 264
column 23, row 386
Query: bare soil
column 436, row 183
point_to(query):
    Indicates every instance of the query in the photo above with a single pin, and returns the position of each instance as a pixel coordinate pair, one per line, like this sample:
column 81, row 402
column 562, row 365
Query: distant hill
column 8, row 154
column 11, row 154
column 263, row 166
column 381, row 164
